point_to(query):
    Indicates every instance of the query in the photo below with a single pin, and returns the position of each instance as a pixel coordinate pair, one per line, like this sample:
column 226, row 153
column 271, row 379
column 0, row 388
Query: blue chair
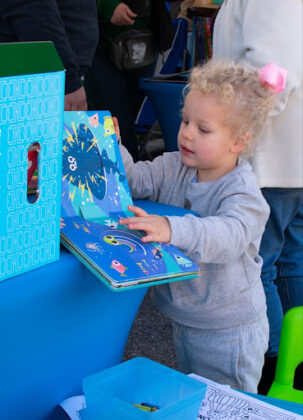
column 146, row 120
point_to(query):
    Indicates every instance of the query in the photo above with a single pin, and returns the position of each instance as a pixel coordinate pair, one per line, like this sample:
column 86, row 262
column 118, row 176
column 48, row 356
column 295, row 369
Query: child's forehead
column 198, row 100
column 200, row 95
column 199, row 107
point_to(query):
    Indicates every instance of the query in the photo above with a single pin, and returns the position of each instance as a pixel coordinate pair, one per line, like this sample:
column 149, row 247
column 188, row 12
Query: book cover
column 95, row 194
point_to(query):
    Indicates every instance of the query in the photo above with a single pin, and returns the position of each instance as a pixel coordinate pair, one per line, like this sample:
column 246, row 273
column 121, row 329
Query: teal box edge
column 31, row 111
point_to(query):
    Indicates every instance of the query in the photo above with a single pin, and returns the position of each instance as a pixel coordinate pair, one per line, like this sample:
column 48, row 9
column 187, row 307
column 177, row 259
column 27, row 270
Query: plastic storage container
column 112, row 393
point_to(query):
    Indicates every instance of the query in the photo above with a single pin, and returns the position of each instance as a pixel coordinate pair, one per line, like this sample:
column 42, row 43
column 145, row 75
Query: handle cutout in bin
column 33, row 172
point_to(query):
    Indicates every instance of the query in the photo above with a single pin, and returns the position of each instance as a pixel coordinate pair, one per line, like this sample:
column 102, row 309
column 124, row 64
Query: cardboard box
column 32, row 83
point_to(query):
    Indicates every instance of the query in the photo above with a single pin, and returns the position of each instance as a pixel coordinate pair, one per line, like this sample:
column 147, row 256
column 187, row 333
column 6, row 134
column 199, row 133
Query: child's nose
column 189, row 132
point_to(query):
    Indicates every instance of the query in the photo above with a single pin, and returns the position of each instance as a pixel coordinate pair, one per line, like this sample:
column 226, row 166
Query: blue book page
column 120, row 256
column 95, row 195
column 94, row 184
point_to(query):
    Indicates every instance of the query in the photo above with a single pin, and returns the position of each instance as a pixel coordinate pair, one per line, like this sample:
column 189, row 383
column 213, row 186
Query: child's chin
column 186, row 160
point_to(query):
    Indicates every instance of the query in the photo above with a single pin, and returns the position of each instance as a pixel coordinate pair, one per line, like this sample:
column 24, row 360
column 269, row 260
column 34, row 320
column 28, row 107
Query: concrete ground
column 151, row 333
column 151, row 336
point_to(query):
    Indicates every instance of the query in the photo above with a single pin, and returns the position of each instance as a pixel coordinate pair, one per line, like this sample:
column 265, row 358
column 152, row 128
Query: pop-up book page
column 94, row 184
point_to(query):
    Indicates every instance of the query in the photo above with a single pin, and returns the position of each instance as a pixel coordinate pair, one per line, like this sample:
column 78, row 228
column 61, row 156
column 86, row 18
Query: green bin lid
column 18, row 58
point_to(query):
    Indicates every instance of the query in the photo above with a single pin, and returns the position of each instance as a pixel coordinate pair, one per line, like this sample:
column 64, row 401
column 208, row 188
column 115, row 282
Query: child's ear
column 240, row 143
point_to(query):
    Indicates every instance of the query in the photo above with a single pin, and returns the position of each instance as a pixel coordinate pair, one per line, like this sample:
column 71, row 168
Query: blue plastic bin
column 111, row 393
column 165, row 93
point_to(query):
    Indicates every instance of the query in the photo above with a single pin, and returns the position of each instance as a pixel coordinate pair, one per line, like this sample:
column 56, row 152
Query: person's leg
column 136, row 94
column 290, row 265
column 270, row 250
column 282, row 211
column 107, row 89
column 290, row 269
column 231, row 356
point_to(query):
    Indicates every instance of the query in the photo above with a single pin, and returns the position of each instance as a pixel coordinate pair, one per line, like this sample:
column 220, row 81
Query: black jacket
column 71, row 24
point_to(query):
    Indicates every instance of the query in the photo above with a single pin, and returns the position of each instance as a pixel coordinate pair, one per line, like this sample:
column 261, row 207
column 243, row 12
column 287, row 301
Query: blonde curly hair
column 246, row 100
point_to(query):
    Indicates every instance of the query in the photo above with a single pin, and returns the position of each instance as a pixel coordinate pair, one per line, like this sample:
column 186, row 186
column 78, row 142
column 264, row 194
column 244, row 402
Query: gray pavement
column 151, row 336
column 151, row 333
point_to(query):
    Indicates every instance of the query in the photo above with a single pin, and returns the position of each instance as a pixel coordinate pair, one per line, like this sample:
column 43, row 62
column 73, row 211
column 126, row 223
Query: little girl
column 219, row 319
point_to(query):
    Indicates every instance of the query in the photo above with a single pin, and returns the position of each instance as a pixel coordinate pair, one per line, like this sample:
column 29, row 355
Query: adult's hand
column 75, row 101
column 123, row 15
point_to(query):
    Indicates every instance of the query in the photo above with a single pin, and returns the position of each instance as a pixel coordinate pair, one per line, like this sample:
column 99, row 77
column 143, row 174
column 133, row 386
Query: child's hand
column 157, row 228
column 117, row 129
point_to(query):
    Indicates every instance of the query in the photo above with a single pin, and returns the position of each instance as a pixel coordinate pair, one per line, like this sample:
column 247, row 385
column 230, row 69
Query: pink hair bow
column 273, row 76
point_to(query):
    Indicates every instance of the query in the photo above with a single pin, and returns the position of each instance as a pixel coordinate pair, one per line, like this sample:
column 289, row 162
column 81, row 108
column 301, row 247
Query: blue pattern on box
column 31, row 110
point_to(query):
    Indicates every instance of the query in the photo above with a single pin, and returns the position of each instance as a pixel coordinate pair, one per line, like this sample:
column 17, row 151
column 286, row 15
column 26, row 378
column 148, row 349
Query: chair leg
column 142, row 147
column 268, row 374
column 298, row 381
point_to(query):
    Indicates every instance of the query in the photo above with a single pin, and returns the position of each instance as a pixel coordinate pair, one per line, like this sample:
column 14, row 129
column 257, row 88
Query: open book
column 95, row 195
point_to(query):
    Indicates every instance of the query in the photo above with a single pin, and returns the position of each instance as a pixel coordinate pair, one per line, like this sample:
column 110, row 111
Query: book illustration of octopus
column 84, row 165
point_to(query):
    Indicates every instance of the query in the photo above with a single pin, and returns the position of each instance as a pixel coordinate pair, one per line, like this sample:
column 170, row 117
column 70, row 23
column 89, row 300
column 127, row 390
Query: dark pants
column 282, row 253
column 117, row 91
column 282, row 271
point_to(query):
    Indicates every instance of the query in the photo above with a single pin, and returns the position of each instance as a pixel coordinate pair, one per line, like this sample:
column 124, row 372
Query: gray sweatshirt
column 224, row 241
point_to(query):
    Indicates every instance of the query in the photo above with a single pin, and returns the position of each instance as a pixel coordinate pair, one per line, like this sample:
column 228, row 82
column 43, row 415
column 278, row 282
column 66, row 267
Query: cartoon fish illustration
column 157, row 254
column 85, row 229
column 125, row 238
column 183, row 261
column 112, row 240
column 116, row 265
column 94, row 120
column 109, row 128
column 111, row 223
column 111, row 166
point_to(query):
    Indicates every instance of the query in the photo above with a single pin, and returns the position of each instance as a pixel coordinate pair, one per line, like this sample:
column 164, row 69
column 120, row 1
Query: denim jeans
column 282, row 253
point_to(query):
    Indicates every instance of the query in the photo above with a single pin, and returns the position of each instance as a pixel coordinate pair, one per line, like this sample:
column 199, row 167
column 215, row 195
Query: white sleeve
column 272, row 32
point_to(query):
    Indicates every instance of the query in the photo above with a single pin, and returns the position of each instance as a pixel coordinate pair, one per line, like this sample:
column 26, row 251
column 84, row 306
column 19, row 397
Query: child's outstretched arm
column 157, row 228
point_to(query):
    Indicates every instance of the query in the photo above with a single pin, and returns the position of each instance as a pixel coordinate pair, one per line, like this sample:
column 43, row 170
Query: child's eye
column 184, row 121
column 203, row 130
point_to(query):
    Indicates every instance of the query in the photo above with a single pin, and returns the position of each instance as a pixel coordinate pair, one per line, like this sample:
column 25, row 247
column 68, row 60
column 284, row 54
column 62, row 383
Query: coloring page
column 222, row 402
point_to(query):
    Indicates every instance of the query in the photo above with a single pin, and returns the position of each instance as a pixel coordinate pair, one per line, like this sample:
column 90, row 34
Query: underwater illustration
column 95, row 195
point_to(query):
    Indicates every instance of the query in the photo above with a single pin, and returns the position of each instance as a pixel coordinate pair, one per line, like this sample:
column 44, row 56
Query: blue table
column 59, row 324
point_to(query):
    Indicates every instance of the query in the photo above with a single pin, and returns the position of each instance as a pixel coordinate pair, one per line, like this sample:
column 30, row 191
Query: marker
column 142, row 407
column 147, row 407
column 156, row 407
